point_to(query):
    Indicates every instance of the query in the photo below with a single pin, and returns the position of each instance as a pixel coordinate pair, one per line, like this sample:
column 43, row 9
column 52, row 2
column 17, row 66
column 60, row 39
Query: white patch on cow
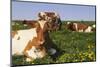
column 56, row 15
column 28, row 59
column 76, row 26
column 68, row 22
column 32, row 53
column 89, row 29
column 42, row 13
column 93, row 26
column 35, row 53
column 42, row 22
column 80, row 30
column 18, row 45
column 25, row 25
column 41, row 42
column 52, row 51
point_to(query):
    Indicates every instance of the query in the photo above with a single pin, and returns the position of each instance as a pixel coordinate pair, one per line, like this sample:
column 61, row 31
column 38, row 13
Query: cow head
column 50, row 17
column 93, row 27
column 42, row 27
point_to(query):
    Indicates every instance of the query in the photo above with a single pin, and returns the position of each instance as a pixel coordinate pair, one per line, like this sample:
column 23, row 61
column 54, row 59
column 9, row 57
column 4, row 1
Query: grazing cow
column 30, row 23
column 14, row 23
column 93, row 25
column 52, row 18
column 30, row 42
column 79, row 27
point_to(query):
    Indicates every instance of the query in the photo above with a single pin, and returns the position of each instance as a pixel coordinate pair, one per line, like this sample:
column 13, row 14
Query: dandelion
column 80, row 54
column 89, row 46
column 32, row 62
column 90, row 56
column 76, row 60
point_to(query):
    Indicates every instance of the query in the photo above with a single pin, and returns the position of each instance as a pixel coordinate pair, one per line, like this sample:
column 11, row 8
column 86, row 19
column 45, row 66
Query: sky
column 30, row 10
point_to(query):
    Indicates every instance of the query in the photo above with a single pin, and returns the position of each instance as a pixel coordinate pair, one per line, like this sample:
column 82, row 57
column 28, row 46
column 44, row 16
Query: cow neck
column 42, row 23
column 40, row 31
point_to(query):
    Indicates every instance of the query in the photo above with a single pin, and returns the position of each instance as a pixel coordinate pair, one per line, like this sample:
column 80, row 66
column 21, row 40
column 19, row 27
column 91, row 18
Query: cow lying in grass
column 30, row 42
column 79, row 27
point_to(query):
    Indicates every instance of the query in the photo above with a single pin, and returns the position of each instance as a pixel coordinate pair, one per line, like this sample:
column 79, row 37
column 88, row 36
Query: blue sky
column 30, row 10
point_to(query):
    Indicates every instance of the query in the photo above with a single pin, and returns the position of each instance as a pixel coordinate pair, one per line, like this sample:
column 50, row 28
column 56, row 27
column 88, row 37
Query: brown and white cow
column 53, row 18
column 29, row 23
column 79, row 27
column 30, row 42
column 93, row 27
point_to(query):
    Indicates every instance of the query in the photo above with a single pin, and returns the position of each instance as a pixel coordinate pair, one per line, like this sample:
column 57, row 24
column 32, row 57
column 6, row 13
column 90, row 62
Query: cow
column 30, row 42
column 93, row 27
column 53, row 18
column 79, row 27
column 14, row 23
column 29, row 23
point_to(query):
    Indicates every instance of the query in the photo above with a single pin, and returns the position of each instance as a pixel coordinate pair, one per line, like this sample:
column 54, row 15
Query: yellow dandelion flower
column 32, row 62
column 89, row 46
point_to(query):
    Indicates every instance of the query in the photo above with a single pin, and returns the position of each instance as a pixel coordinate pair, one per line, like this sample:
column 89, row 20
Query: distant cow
column 52, row 18
column 94, row 27
column 14, row 23
column 30, row 23
column 79, row 27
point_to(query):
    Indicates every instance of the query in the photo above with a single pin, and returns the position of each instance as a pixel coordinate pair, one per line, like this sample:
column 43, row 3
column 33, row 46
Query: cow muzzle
column 41, row 42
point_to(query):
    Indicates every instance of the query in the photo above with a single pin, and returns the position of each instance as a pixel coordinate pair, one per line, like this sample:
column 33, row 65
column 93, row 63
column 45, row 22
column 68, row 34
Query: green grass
column 75, row 47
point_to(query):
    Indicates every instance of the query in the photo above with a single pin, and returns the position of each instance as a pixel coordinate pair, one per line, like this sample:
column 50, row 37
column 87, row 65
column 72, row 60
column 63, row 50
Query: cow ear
column 39, row 16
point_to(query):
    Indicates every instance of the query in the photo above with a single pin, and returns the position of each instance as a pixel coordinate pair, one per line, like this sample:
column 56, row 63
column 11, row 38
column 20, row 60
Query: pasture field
column 74, row 47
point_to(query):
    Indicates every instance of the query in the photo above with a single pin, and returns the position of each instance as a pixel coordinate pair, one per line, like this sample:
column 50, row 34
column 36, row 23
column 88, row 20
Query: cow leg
column 28, row 47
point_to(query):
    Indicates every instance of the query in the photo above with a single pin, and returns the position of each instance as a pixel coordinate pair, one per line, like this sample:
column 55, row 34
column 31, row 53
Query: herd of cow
column 32, row 42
